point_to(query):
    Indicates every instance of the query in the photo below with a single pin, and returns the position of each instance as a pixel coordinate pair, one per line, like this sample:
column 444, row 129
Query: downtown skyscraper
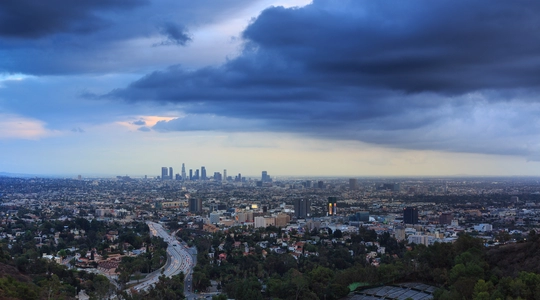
column 302, row 208
column 203, row 173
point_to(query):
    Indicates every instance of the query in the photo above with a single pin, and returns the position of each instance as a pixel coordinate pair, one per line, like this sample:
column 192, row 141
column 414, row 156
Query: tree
column 103, row 288
column 245, row 289
column 319, row 280
column 168, row 288
column 482, row 290
column 200, row 281
column 138, row 276
column 51, row 287
column 62, row 253
column 219, row 297
column 10, row 288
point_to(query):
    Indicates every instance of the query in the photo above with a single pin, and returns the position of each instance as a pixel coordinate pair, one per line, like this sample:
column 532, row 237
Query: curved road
column 179, row 260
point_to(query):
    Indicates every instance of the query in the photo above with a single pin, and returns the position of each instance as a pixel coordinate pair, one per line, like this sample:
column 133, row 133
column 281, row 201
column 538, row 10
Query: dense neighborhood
column 251, row 239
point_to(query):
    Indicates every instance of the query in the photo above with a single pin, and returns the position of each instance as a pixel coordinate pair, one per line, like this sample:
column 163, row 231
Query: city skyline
column 298, row 88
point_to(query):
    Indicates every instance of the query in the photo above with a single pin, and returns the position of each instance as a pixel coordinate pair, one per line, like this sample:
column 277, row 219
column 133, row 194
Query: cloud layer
column 439, row 75
column 80, row 37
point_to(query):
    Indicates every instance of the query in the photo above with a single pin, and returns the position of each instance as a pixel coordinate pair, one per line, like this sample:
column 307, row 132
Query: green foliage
column 482, row 290
column 200, row 281
column 219, row 297
column 168, row 288
column 244, row 289
column 279, row 263
column 11, row 288
column 144, row 263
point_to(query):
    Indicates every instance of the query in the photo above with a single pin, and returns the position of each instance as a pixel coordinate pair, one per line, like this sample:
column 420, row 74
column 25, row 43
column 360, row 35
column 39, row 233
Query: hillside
column 511, row 259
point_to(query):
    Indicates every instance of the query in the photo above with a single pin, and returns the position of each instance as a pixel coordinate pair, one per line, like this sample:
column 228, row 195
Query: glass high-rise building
column 410, row 215
column 164, row 173
column 195, row 205
column 353, row 184
column 203, row 173
column 302, row 208
column 332, row 206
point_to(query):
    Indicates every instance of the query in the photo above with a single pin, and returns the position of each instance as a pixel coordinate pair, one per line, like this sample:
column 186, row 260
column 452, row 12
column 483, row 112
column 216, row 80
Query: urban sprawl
column 103, row 225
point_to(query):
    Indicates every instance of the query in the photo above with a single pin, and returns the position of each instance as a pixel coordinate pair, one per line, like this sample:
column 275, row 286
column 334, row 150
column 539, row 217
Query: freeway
column 178, row 260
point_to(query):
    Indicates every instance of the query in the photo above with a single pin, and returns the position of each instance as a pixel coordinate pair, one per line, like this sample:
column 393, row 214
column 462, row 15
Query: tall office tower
column 190, row 174
column 224, row 174
column 195, row 205
column 217, row 176
column 164, row 173
column 183, row 171
column 264, row 176
column 410, row 215
column 196, row 177
column 302, row 208
column 320, row 184
column 171, row 174
column 203, row 173
column 353, row 184
column 332, row 206
column 178, row 177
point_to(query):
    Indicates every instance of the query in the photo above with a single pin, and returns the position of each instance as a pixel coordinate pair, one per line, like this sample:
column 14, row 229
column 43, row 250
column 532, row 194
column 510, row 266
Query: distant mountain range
column 22, row 175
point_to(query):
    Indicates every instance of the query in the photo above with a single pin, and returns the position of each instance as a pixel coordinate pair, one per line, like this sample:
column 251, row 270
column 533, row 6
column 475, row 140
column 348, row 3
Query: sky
column 293, row 87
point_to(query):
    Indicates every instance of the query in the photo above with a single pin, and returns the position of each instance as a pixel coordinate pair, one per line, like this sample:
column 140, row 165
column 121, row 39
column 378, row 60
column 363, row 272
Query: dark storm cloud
column 175, row 34
column 419, row 75
column 104, row 36
column 447, row 47
column 442, row 46
column 36, row 18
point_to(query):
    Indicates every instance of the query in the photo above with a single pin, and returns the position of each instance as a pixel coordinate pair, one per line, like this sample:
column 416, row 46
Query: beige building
column 282, row 220
column 172, row 204
column 264, row 221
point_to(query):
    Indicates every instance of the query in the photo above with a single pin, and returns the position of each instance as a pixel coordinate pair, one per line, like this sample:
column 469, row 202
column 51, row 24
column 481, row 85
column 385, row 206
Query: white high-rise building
column 419, row 239
column 214, row 218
